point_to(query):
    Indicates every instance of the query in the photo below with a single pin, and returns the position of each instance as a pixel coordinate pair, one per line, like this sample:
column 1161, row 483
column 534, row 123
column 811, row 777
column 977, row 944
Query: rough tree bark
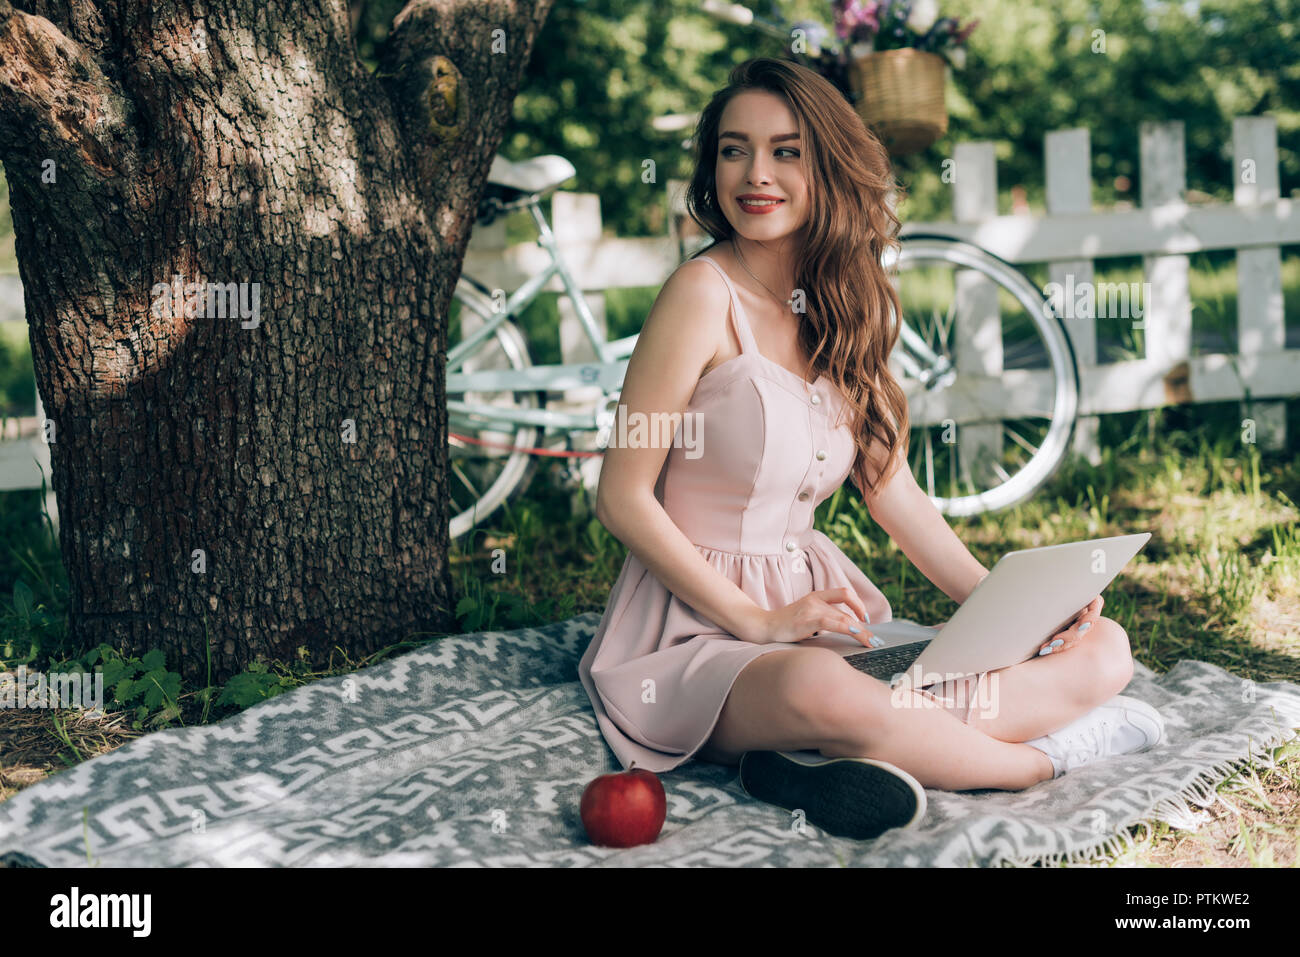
column 253, row 483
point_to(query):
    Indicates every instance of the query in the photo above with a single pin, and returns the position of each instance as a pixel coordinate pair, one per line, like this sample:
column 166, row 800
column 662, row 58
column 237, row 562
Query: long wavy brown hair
column 851, row 323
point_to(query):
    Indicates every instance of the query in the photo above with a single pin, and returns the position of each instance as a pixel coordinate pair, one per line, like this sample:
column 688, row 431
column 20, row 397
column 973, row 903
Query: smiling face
column 759, row 155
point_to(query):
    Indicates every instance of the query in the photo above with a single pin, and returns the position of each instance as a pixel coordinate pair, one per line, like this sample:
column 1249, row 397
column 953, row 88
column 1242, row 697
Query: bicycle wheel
column 989, row 372
column 485, row 460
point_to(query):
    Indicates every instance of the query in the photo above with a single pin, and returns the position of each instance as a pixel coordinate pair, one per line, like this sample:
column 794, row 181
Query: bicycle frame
column 606, row 352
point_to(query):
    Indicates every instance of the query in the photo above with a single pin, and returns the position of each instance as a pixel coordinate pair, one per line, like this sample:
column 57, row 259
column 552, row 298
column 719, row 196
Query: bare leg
column 937, row 749
column 845, row 713
column 933, row 744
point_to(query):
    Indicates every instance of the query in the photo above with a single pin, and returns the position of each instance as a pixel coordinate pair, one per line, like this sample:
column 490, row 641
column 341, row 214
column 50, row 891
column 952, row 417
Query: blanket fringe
column 1175, row 811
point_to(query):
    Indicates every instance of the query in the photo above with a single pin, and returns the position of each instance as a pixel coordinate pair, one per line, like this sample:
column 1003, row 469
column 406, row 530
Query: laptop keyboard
column 884, row 663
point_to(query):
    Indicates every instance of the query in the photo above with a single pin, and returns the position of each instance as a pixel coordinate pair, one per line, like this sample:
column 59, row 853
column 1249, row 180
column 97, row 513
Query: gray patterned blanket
column 475, row 750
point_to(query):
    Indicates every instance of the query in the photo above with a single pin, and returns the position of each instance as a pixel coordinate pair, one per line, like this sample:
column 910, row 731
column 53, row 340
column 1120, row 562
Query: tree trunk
column 237, row 248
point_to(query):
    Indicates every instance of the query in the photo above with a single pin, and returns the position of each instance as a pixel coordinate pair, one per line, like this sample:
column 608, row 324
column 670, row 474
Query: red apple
column 624, row 809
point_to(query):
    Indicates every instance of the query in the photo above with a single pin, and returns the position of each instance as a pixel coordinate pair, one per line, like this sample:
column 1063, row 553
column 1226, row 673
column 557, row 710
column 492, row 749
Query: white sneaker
column 1122, row 725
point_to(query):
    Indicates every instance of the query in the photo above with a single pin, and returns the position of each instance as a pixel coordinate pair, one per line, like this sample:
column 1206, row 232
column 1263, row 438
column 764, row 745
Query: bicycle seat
column 536, row 175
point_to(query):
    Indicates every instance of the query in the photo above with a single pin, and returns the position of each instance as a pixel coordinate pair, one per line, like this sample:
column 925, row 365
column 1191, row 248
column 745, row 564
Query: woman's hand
column 1071, row 634
column 816, row 612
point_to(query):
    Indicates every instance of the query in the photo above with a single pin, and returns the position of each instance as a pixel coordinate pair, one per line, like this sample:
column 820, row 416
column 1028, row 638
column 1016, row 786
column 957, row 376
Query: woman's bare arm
column 908, row 516
column 680, row 338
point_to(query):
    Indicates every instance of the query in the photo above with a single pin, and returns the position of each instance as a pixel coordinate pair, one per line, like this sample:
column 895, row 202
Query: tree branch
column 56, row 101
column 452, row 66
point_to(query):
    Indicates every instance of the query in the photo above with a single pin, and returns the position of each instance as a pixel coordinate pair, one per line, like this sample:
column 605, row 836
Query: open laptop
column 1027, row 597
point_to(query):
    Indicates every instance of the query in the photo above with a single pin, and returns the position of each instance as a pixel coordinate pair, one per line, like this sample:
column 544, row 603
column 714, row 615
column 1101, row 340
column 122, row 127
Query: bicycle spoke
column 954, row 476
column 464, row 479
column 1012, row 355
column 1023, row 381
column 946, row 327
column 929, row 461
column 1016, row 437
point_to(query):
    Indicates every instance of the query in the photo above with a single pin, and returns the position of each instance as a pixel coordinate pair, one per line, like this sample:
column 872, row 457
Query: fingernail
column 1057, row 642
column 877, row 642
column 1084, row 627
column 1045, row 651
column 854, row 629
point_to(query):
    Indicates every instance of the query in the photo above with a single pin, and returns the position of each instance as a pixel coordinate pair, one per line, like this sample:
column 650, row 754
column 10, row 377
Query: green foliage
column 17, row 396
column 602, row 69
column 483, row 608
column 372, row 19
column 143, row 687
column 152, row 694
column 255, row 685
column 601, row 543
column 26, row 627
column 31, row 567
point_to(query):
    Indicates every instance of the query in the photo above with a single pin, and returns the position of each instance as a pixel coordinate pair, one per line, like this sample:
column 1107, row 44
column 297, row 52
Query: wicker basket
column 901, row 97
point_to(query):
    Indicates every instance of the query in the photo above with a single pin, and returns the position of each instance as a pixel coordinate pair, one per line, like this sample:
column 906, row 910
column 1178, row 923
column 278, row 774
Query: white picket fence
column 1164, row 229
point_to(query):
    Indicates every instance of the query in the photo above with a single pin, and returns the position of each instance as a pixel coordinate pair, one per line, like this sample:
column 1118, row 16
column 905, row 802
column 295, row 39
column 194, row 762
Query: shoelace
column 1098, row 737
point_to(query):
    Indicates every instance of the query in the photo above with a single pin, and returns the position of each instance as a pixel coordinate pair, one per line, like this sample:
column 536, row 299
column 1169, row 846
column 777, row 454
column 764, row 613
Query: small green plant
column 1252, row 483
column 61, row 730
column 1229, row 579
column 141, row 686
column 1098, row 511
column 253, row 686
column 477, row 607
column 504, row 610
column 25, row 628
column 1286, row 542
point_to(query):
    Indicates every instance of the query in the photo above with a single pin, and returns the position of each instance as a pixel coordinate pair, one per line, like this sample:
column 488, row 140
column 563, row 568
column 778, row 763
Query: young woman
column 776, row 343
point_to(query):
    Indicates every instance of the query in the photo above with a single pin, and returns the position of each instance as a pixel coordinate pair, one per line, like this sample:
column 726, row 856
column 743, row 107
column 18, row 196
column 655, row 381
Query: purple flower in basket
column 894, row 24
column 855, row 19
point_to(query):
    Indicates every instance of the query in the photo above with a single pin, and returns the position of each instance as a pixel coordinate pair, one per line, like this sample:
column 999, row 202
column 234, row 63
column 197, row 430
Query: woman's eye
column 783, row 149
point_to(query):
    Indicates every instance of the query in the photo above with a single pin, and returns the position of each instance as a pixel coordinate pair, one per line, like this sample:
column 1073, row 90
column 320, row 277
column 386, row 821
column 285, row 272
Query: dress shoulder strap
column 739, row 320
